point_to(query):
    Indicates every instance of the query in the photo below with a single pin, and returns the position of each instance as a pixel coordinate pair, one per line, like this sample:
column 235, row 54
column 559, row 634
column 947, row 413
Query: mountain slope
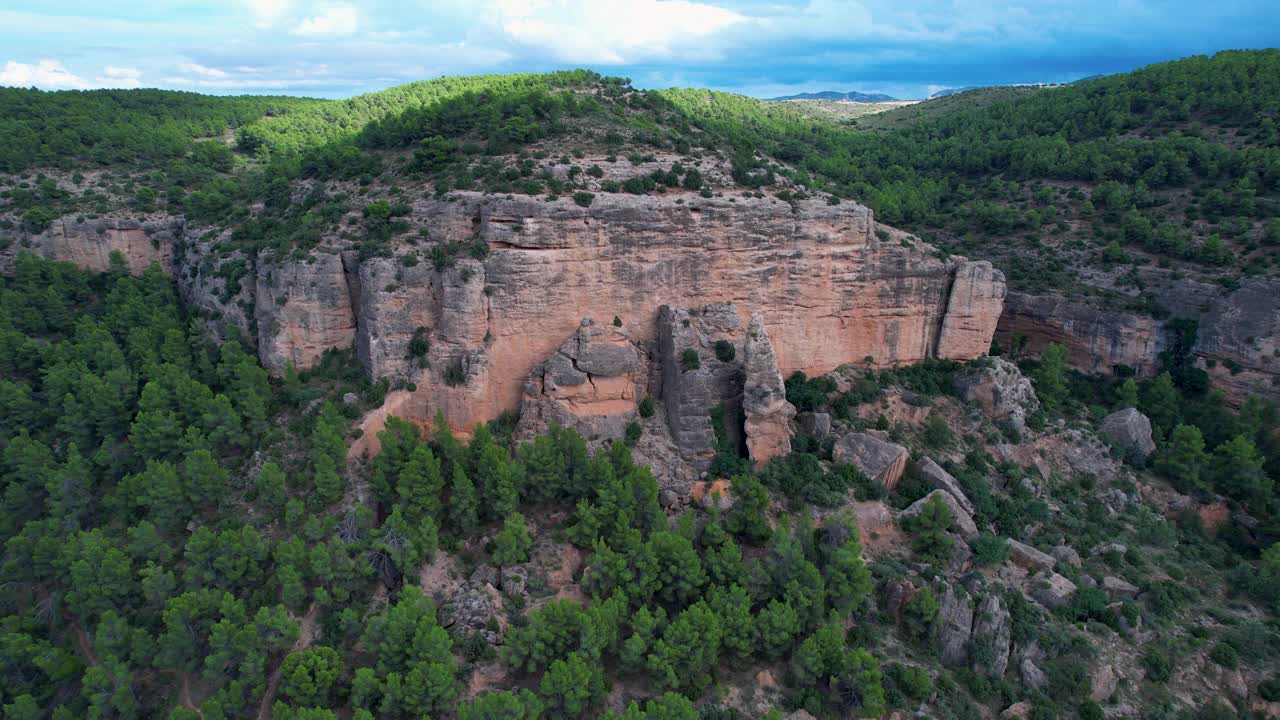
column 834, row 95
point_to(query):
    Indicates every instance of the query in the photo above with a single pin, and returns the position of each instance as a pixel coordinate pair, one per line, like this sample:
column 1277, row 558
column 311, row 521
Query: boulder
column 999, row 388
column 1103, row 684
column 708, row 494
column 938, row 478
column 991, row 637
column 1032, row 676
column 955, row 624
column 879, row 460
column 1066, row 555
column 1017, row 711
column 1052, row 590
column 873, row 516
column 961, row 522
column 817, row 424
column 896, row 595
column 1025, row 556
column 764, row 397
column 1108, row 548
column 1118, row 588
column 1129, row 431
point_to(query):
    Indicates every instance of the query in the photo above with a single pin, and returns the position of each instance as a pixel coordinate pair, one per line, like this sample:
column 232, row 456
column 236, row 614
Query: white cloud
column 201, row 70
column 587, row 31
column 49, row 74
column 42, row 74
column 334, row 20
column 266, row 12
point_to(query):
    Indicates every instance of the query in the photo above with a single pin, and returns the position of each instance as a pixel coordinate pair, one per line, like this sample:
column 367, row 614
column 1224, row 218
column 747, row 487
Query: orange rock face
column 828, row 289
column 89, row 244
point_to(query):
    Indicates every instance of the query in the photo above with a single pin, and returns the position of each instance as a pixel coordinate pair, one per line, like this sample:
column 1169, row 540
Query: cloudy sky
column 338, row 48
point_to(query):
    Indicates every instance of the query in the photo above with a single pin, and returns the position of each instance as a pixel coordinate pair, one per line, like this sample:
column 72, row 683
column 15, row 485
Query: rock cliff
column 518, row 274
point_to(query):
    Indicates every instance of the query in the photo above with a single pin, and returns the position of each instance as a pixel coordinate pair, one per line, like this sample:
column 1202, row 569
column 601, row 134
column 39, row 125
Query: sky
column 339, row 48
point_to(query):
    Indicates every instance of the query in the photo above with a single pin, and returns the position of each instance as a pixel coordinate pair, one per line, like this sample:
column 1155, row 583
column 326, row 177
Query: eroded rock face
column 467, row 329
column 977, row 296
column 991, row 637
column 695, row 380
column 90, row 243
column 940, row 479
column 303, row 308
column 955, row 624
column 764, row 397
column 1096, row 340
column 878, row 459
column 592, row 384
column 1241, row 333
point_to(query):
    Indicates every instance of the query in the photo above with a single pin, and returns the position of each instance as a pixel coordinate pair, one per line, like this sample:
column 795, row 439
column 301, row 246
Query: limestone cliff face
column 830, row 291
column 831, row 286
column 1237, row 340
column 764, row 397
column 89, row 243
column 1096, row 341
column 303, row 307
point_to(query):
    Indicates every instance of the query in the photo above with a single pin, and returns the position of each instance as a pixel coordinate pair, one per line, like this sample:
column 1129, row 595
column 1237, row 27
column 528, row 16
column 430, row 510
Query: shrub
column 689, row 359
column 1225, row 655
column 583, row 198
column 990, row 550
column 646, row 407
column 632, row 434
column 937, row 433
column 1156, row 663
column 455, row 375
column 725, row 352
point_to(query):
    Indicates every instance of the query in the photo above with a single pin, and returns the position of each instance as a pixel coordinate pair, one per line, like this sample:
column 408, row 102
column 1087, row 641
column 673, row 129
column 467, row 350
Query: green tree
column 1183, row 457
column 1127, row 394
column 270, row 486
column 502, row 705
column 1238, row 470
column 920, row 614
column 419, row 486
column 570, row 686
column 1160, row 402
column 464, row 506
column 930, row 539
column 1050, row 377
column 848, row 580
column 512, row 545
column 309, row 676
column 777, row 626
column 688, row 651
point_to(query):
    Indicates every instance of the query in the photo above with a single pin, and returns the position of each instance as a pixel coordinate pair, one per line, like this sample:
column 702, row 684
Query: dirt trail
column 306, row 634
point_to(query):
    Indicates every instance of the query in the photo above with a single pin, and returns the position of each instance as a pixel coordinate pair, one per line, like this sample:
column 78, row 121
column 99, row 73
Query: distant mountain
column 851, row 96
column 953, row 91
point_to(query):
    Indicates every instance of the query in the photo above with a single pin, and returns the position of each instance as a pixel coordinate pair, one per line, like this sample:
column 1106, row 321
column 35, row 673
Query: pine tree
column 328, row 482
column 1051, row 384
column 1127, row 394
column 419, row 486
column 930, row 539
column 1183, row 457
column 512, row 545
column 271, row 487
column 463, row 504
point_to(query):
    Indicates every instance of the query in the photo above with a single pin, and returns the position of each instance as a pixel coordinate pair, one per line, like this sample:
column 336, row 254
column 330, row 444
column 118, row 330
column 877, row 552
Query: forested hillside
column 186, row 536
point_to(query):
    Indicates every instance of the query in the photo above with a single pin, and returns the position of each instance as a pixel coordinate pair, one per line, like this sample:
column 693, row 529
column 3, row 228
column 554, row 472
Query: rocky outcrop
column 696, row 382
column 764, row 398
column 90, row 243
column 881, row 461
column 1025, row 556
column 962, row 522
column 999, row 388
column 1237, row 343
column 592, row 384
column 955, row 624
column 992, row 632
column 1129, row 431
column 1051, row 590
column 1240, row 337
column 1097, row 341
column 511, row 277
column 976, row 298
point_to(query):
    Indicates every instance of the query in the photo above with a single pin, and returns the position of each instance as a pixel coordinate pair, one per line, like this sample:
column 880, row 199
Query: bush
column 1156, row 663
column 725, row 352
column 647, row 407
column 583, row 198
column 689, row 359
column 1225, row 655
column 990, row 550
column 633, row 433
column 937, row 433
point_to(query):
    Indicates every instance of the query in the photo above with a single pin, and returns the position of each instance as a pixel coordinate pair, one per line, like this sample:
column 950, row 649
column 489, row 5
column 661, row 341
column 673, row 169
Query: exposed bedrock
column 831, row 286
column 1237, row 343
column 828, row 289
column 764, row 397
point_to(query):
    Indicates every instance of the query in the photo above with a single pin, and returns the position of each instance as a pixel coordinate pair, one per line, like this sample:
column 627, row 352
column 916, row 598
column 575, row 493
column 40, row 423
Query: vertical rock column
column 973, row 309
column 764, row 397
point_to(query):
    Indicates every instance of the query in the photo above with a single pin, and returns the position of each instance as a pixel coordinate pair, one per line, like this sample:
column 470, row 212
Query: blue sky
column 338, row 48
